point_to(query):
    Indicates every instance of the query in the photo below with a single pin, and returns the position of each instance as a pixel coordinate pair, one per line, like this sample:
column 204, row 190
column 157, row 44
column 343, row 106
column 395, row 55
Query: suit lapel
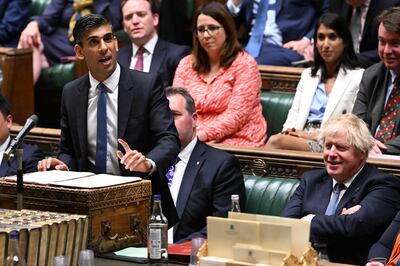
column 195, row 162
column 352, row 190
column 81, row 112
column 339, row 88
column 158, row 56
column 379, row 98
column 307, row 98
column 3, row 168
column 324, row 189
column 125, row 56
column 125, row 100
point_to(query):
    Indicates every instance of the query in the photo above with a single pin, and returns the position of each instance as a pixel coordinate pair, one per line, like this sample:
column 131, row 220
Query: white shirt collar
column 349, row 181
column 184, row 155
column 149, row 46
column 4, row 146
column 393, row 76
column 111, row 82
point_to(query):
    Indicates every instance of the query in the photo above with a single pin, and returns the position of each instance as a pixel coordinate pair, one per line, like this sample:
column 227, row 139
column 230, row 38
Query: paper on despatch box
column 256, row 254
column 224, row 233
column 215, row 261
column 299, row 233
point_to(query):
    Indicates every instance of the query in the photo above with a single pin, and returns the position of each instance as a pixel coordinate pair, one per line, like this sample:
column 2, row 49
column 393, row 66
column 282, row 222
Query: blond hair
column 354, row 128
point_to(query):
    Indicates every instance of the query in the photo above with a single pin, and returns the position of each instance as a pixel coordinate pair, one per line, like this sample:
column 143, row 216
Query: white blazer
column 341, row 98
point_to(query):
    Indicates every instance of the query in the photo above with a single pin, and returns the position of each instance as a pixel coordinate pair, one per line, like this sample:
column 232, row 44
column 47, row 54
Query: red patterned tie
column 386, row 126
column 139, row 61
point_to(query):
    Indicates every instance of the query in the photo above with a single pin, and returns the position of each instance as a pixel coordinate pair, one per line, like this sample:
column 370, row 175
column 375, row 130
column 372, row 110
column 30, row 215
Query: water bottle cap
column 156, row 197
column 14, row 234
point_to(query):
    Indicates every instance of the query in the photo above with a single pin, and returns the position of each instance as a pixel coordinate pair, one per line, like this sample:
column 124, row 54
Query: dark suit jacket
column 348, row 237
column 54, row 24
column 292, row 25
column 370, row 102
column 145, row 122
column 165, row 59
column 383, row 248
column 210, row 178
column 13, row 17
column 31, row 156
column 369, row 40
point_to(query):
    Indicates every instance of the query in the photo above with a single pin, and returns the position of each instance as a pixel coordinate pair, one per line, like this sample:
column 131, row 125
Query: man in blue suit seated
column 203, row 178
column 31, row 155
column 280, row 32
column 148, row 52
column 350, row 202
column 14, row 15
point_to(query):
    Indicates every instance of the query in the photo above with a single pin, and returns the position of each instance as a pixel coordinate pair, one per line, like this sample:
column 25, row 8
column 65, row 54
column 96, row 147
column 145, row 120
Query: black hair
column 190, row 105
column 87, row 23
column 349, row 58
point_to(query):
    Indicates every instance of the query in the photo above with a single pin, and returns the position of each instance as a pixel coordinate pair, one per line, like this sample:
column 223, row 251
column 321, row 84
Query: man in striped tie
column 377, row 102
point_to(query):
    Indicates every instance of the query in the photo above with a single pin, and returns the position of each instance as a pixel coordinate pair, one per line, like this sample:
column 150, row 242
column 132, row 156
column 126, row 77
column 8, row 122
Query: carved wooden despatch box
column 118, row 215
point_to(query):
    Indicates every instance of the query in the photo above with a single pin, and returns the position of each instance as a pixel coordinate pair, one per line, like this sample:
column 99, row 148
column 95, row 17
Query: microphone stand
column 20, row 179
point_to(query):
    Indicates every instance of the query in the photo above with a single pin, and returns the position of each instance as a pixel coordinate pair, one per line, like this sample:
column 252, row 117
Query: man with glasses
column 148, row 52
column 110, row 108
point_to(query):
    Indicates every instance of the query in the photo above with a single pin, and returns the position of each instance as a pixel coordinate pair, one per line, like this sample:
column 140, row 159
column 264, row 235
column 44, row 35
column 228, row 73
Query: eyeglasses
column 210, row 29
column 94, row 40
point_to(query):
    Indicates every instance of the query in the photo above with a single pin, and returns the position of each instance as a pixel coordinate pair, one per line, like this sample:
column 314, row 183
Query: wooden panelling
column 17, row 84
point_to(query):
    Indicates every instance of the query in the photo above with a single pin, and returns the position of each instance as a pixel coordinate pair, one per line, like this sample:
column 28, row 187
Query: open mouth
column 105, row 59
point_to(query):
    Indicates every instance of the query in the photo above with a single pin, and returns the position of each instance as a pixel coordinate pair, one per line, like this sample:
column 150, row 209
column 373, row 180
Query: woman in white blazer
column 326, row 90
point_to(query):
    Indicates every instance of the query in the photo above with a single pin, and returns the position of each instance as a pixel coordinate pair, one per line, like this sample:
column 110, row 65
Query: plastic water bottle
column 157, row 235
column 14, row 257
column 235, row 203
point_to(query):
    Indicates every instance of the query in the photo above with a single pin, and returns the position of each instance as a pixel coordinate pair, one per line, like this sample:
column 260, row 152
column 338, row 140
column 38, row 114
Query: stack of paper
column 74, row 179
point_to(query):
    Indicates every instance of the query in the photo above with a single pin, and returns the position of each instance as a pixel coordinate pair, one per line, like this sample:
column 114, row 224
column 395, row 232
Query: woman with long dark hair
column 326, row 90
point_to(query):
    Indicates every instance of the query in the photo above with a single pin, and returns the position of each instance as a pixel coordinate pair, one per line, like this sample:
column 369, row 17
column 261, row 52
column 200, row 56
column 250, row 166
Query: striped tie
column 386, row 126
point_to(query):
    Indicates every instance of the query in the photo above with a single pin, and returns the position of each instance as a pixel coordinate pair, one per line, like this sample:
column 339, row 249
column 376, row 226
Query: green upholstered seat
column 57, row 75
column 268, row 196
column 38, row 6
column 275, row 110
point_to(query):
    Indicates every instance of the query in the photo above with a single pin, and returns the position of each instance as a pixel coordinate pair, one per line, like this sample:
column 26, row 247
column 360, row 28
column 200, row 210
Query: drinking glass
column 86, row 257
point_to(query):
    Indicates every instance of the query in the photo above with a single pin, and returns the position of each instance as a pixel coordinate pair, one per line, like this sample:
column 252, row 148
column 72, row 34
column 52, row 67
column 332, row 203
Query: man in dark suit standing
column 278, row 34
column 361, row 16
column 31, row 154
column 377, row 101
column 148, row 52
column 350, row 202
column 203, row 178
column 113, row 104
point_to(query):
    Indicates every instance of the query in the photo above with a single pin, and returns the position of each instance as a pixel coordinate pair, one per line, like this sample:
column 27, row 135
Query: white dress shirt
column 147, row 55
column 112, row 120
column 180, row 169
column 364, row 10
column 3, row 148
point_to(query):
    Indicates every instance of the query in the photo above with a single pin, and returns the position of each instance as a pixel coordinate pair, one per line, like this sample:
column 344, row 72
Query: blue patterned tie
column 101, row 143
column 171, row 171
column 333, row 203
column 253, row 47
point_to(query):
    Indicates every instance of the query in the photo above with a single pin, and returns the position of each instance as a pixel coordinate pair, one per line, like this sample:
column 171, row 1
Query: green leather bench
column 275, row 110
column 268, row 196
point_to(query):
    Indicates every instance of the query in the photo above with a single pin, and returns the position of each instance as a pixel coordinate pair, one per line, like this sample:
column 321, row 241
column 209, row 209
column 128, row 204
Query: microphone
column 16, row 142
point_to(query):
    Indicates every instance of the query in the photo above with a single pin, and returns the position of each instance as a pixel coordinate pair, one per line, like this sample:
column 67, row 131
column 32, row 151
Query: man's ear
column 79, row 52
column 156, row 19
column 9, row 121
